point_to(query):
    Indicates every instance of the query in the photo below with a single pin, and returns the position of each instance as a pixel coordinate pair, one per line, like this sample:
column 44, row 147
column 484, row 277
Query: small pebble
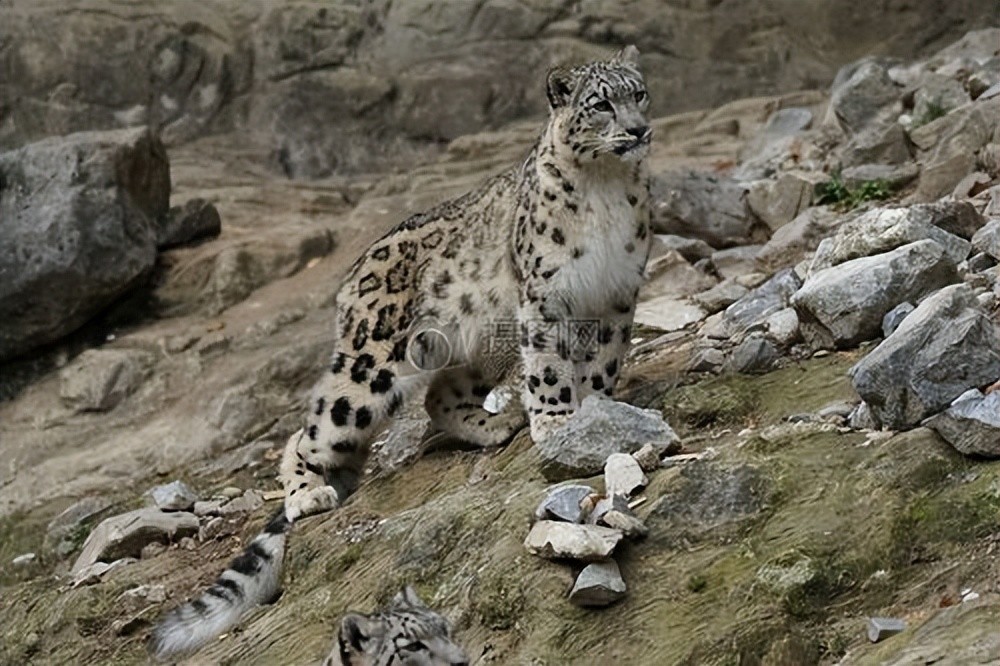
column 880, row 628
column 648, row 458
column 231, row 492
column 24, row 560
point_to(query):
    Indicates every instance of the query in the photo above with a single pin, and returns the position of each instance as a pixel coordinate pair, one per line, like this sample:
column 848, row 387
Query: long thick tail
column 252, row 579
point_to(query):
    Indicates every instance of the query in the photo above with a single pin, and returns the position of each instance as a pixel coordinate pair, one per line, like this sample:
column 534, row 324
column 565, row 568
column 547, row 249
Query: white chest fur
column 612, row 256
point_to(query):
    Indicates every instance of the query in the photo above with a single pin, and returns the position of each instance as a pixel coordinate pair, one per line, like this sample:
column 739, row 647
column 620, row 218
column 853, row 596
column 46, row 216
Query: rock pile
column 573, row 522
column 841, row 268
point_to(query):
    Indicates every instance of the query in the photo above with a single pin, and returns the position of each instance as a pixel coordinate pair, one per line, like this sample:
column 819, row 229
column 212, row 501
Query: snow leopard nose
column 640, row 133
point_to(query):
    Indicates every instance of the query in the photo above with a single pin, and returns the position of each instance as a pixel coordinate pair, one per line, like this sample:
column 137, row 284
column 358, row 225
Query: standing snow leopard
column 530, row 280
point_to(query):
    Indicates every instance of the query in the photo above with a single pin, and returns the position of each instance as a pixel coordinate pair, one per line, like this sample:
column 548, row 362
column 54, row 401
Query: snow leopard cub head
column 599, row 109
column 406, row 633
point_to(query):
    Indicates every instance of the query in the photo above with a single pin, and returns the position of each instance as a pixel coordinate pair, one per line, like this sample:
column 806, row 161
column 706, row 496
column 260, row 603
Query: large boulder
column 881, row 230
column 863, row 96
column 703, row 205
column 77, row 229
column 843, row 305
column 601, row 427
column 942, row 349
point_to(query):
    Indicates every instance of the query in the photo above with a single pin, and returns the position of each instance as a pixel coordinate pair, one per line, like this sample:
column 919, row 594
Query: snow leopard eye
column 640, row 96
column 604, row 106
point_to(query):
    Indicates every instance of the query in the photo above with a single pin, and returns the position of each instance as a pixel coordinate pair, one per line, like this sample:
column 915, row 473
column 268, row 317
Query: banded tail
column 252, row 579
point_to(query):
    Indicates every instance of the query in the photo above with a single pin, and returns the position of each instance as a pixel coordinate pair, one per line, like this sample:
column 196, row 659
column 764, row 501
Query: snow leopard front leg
column 598, row 373
column 550, row 393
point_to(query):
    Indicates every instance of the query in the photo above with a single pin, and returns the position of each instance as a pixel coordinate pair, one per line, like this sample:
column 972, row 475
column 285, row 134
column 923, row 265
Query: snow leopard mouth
column 629, row 146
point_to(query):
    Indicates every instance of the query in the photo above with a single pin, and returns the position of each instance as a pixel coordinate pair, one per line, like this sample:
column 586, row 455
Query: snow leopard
column 525, row 288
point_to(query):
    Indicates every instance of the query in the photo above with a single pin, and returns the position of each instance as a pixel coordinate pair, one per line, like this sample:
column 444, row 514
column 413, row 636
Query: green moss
column 707, row 405
column 498, row 603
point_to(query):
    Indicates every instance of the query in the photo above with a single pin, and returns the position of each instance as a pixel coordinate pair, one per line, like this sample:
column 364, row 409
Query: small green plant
column 836, row 193
column 932, row 111
column 697, row 583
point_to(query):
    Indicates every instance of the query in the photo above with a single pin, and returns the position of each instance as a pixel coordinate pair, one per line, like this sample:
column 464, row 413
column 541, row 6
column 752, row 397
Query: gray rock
column 556, row 540
column 173, row 496
column 195, row 220
column 709, row 499
column 983, row 80
column 207, row 507
column 861, row 418
column 251, row 500
column 668, row 313
column 956, row 217
column 937, row 94
column 707, row 360
column 883, row 141
column 24, row 560
column 79, row 229
column 692, row 249
column 753, row 356
column 862, row 97
column 790, row 243
column 620, row 517
column 563, row 503
column 893, row 175
column 599, row 428
column 948, row 146
column 977, row 263
column 762, row 302
column 93, row 573
column 735, row 261
column 881, row 230
column 971, row 424
column 987, row 239
column 99, row 379
column 648, row 457
column 783, row 327
column 778, row 202
column 705, row 206
column 59, row 532
column 894, row 317
column 721, row 296
column 943, row 348
column 603, row 504
column 126, row 534
column 623, row 475
column 880, row 628
column 599, row 584
column 844, row 305
column 836, row 411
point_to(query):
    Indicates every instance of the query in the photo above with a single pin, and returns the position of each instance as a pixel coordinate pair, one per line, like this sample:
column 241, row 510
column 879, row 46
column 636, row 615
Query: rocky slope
column 360, row 84
column 820, row 328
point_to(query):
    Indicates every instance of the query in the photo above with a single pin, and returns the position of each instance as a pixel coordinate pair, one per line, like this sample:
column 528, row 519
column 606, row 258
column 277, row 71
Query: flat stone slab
column 126, row 534
column 563, row 503
column 623, row 475
column 555, row 540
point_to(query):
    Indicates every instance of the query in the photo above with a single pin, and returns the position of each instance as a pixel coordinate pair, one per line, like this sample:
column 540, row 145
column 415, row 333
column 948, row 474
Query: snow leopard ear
column 559, row 87
column 355, row 633
column 629, row 55
column 408, row 597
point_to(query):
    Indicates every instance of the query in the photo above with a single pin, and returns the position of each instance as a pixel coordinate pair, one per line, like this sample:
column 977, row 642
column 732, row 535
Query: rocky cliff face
column 360, row 84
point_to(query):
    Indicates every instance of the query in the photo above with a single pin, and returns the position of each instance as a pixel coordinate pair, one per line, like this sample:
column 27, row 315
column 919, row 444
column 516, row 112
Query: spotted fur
column 528, row 281
column 406, row 633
